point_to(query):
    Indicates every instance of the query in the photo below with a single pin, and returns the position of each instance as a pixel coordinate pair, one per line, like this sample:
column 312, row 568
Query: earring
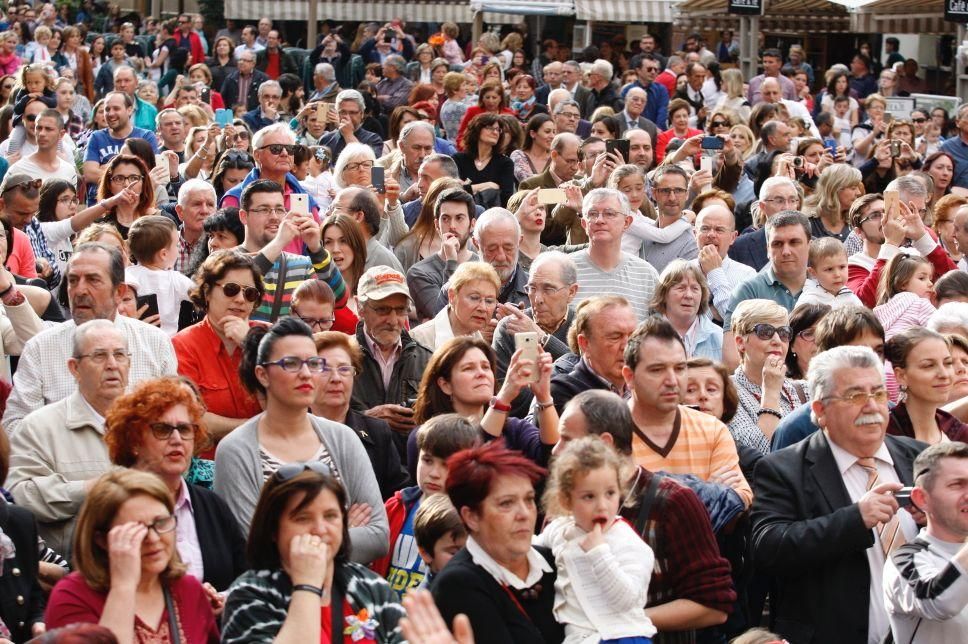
column 902, row 394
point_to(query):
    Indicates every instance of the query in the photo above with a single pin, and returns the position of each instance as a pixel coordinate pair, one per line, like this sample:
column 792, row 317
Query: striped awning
column 655, row 11
column 781, row 16
column 526, row 7
column 362, row 10
column 924, row 17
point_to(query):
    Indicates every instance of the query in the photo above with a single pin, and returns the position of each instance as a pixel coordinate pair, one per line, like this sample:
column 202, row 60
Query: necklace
column 633, row 487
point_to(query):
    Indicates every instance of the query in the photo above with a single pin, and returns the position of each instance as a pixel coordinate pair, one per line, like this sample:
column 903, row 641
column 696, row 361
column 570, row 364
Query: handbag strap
column 172, row 618
column 280, row 288
column 645, row 507
column 336, row 613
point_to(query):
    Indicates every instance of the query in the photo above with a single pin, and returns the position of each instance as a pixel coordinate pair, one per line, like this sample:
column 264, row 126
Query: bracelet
column 316, row 590
column 542, row 406
column 770, row 411
column 497, row 405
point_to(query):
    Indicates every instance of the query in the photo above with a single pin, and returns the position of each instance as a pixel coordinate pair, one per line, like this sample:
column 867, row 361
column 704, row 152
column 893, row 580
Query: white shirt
column 170, row 286
column 797, row 110
column 244, row 48
column 855, row 480
column 186, row 536
column 66, row 171
column 724, row 280
column 537, row 566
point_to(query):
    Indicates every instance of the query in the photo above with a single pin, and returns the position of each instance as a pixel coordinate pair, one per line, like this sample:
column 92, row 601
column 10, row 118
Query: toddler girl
column 36, row 79
column 604, row 567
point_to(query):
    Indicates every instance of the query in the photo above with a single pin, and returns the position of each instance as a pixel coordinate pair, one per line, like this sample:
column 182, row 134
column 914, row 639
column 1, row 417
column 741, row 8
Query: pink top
column 21, row 261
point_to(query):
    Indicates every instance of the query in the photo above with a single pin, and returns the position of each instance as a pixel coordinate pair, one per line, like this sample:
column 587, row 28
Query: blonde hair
column 578, row 459
column 749, row 313
column 472, row 272
column 825, row 199
column 675, row 272
column 748, row 135
column 823, row 248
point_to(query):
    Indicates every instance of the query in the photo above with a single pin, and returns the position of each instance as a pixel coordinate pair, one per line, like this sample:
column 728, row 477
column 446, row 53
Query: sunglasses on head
column 766, row 332
column 24, row 184
column 290, row 471
column 278, row 148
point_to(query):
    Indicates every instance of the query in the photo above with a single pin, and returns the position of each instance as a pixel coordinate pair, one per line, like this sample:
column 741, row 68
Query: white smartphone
column 527, row 342
column 299, row 203
column 706, row 163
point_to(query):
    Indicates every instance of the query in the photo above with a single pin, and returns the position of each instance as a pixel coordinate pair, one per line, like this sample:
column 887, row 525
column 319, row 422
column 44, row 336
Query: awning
column 362, row 10
column 660, row 11
column 925, row 17
column 781, row 16
column 526, row 7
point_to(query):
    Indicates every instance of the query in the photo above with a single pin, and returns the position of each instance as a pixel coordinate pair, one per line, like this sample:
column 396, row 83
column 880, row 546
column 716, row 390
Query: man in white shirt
column 603, row 267
column 926, row 581
column 95, row 287
column 772, row 93
column 48, row 128
column 29, row 145
column 715, row 230
column 249, row 42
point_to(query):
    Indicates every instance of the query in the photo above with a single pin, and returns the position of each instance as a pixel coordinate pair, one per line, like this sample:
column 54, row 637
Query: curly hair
column 127, row 421
column 579, row 458
column 472, row 133
column 215, row 267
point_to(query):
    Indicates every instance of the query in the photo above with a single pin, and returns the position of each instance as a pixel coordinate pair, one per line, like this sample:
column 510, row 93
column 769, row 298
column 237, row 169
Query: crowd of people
column 411, row 337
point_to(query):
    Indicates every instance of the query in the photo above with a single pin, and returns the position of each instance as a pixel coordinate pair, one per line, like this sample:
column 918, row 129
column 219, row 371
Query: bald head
column 770, row 90
column 716, row 226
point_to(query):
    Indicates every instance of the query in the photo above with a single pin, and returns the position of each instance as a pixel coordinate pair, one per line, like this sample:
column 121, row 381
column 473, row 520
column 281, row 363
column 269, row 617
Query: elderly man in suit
column 565, row 163
column 632, row 116
column 824, row 513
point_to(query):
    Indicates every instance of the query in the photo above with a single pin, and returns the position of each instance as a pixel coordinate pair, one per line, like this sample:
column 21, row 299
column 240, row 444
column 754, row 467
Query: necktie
column 889, row 534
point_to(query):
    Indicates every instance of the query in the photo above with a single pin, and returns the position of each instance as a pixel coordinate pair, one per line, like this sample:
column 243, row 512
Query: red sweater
column 863, row 282
column 398, row 507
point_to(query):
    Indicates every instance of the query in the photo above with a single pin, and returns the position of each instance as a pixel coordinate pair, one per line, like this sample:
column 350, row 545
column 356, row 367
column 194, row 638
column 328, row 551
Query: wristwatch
column 498, row 405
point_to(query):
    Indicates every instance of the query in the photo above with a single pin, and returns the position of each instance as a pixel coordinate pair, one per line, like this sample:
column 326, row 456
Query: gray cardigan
column 238, row 480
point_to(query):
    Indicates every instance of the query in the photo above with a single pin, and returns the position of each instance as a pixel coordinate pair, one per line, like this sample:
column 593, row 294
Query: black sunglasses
column 231, row 289
column 766, row 332
column 292, row 470
column 278, row 148
column 919, row 120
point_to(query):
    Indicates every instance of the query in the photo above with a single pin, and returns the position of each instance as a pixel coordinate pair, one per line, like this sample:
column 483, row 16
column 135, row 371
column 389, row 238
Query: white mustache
column 869, row 419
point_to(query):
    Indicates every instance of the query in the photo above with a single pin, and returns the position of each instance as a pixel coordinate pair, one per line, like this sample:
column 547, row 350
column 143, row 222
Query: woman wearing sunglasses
column 281, row 367
column 209, row 353
column 127, row 575
column 303, row 587
column 762, row 334
column 157, row 428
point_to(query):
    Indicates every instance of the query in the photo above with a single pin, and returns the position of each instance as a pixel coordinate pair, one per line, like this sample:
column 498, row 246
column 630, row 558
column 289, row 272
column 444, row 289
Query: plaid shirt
column 38, row 242
column 687, row 560
column 185, row 250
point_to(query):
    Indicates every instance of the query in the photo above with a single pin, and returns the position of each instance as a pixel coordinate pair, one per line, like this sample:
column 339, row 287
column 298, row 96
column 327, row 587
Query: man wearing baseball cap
column 393, row 362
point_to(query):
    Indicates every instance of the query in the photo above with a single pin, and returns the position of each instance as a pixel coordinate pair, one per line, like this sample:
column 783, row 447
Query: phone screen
column 377, row 180
column 619, row 147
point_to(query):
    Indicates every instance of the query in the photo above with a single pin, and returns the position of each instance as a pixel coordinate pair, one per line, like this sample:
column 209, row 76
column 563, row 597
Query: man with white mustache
column 824, row 512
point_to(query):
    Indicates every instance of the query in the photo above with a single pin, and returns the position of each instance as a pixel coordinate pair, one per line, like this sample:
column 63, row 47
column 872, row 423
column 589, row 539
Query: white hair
column 603, row 68
column 275, row 128
column 948, row 315
column 269, row 84
column 351, row 95
column 352, row 152
column 94, row 328
column 773, row 182
column 409, row 128
column 599, row 195
column 326, row 71
column 492, row 216
column 193, row 185
column 825, row 365
column 566, row 265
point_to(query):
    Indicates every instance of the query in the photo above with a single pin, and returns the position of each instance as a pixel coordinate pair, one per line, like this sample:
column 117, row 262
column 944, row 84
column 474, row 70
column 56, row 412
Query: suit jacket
column 230, row 90
column 219, row 537
column 21, row 598
column 750, row 249
column 287, row 64
column 554, row 233
column 642, row 123
column 585, row 100
column 809, row 535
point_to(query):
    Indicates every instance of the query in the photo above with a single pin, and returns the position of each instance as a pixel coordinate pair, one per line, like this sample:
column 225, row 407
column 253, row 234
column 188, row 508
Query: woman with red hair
column 157, row 428
column 503, row 584
column 490, row 99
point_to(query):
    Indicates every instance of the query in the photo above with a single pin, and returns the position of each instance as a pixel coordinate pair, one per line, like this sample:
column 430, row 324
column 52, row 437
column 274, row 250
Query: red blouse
column 73, row 601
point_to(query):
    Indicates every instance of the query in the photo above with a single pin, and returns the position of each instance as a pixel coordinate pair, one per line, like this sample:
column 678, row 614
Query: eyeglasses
column 320, row 323
column 476, row 300
column 71, row 200
column 163, row 431
column 292, row 470
column 292, row 364
column 874, row 215
column 231, row 289
column 860, row 398
column 783, row 201
column 359, row 165
column 665, row 192
column 344, row 371
column 268, row 210
column 164, row 525
column 570, row 115
column 607, row 215
column 278, row 148
column 766, row 332
column 546, row 290
column 30, row 117
column 237, row 155
column 125, row 179
column 807, row 334
column 100, row 357
column 275, row 96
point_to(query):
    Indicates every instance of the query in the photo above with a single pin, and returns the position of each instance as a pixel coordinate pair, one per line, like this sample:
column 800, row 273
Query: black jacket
column 368, row 390
column 230, row 90
column 21, row 598
column 564, row 387
column 808, row 534
column 750, row 249
column 219, row 537
column 379, row 441
column 287, row 64
column 464, row 587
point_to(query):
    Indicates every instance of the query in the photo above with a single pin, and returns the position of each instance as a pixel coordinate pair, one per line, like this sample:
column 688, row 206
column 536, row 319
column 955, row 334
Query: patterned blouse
column 743, row 427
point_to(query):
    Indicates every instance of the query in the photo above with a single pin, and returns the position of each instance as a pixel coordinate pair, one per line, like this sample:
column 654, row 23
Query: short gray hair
column 351, row 95
column 396, row 61
column 773, row 182
column 562, row 139
column 267, row 85
column 447, row 164
column 606, row 412
column 566, row 103
column 948, row 315
column 123, row 67
column 825, row 365
column 909, row 185
column 350, row 152
column 326, row 71
column 275, row 128
column 409, row 128
column 566, row 265
column 603, row 68
column 492, row 216
column 599, row 195
column 93, row 328
column 194, row 185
